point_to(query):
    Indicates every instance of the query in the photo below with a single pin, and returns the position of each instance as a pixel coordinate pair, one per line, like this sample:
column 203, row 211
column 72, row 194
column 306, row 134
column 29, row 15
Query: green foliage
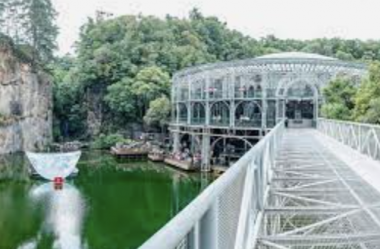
column 107, row 141
column 31, row 26
column 339, row 99
column 2, row 119
column 69, row 111
column 158, row 112
column 128, row 61
column 368, row 97
column 120, row 99
column 40, row 30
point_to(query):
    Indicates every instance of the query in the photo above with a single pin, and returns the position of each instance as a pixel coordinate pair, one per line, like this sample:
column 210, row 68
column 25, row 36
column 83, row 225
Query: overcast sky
column 299, row 19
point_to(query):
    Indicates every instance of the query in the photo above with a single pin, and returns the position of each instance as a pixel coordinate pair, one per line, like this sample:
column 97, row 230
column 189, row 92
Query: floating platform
column 132, row 154
column 188, row 166
column 156, row 157
column 219, row 169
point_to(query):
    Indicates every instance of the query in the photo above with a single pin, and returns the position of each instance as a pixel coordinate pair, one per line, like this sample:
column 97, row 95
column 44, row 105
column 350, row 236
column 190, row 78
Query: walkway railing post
column 209, row 228
column 227, row 213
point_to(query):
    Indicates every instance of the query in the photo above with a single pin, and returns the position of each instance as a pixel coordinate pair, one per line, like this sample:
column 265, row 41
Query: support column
column 264, row 107
column 231, row 92
column 178, row 114
column 209, row 228
column 207, row 104
column 176, row 142
column 189, row 113
column 279, row 110
column 206, row 151
column 316, row 110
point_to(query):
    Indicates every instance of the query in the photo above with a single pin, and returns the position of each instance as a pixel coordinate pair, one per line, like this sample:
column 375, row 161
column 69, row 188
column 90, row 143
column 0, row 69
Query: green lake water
column 111, row 204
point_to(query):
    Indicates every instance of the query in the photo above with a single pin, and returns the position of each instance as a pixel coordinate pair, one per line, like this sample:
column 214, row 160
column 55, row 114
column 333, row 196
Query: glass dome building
column 220, row 110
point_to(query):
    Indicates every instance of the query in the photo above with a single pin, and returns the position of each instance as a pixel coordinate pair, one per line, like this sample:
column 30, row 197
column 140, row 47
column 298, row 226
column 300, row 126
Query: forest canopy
column 120, row 73
column 127, row 62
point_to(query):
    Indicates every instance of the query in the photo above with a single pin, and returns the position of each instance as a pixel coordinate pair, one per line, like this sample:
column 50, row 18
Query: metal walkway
column 316, row 201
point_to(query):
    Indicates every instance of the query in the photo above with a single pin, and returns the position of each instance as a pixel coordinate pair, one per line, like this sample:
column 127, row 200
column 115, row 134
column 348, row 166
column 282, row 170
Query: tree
column 68, row 108
column 339, row 99
column 368, row 96
column 120, row 99
column 40, row 28
column 148, row 84
column 126, row 62
column 158, row 112
column 12, row 19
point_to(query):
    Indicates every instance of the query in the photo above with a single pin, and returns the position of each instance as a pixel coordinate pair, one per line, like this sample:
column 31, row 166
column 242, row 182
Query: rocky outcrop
column 25, row 105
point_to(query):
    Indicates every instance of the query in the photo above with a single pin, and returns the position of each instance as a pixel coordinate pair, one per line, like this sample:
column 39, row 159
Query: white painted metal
column 325, row 205
column 359, row 136
column 224, row 215
column 224, row 93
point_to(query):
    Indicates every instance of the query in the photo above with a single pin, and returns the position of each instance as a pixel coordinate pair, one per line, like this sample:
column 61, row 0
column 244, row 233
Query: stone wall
column 25, row 106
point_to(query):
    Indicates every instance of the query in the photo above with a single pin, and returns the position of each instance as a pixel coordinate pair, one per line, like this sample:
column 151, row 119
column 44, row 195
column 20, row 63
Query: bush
column 107, row 141
column 2, row 119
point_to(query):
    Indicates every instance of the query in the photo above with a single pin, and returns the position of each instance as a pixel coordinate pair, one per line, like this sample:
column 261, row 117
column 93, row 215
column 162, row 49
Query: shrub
column 107, row 141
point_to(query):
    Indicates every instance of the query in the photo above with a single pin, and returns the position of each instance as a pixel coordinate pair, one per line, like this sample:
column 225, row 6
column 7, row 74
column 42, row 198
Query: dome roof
column 295, row 55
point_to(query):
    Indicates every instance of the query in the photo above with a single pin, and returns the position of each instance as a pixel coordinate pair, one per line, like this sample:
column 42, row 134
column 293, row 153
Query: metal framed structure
column 290, row 191
column 223, row 215
column 317, row 201
column 242, row 100
column 364, row 138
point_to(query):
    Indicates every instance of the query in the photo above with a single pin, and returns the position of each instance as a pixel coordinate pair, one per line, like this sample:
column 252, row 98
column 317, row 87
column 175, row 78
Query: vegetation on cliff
column 30, row 25
column 121, row 71
column 128, row 61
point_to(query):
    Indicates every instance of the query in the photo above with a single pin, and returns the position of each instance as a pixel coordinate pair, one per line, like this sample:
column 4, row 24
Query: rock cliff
column 25, row 105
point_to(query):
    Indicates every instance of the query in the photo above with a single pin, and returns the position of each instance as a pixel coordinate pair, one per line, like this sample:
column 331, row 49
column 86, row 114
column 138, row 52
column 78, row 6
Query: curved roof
column 288, row 61
column 295, row 55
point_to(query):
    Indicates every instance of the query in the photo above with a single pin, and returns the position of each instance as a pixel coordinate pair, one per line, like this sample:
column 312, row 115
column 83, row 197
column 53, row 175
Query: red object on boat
column 58, row 180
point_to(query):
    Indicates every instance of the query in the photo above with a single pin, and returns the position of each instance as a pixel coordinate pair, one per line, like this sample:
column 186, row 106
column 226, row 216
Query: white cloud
column 299, row 19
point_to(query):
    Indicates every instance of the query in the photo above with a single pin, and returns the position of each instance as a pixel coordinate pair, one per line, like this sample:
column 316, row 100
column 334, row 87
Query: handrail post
column 209, row 228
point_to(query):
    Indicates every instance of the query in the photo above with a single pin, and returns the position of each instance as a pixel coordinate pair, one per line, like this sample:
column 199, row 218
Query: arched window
column 300, row 90
column 248, row 114
column 251, row 92
column 183, row 92
column 215, row 90
column 197, row 90
column 174, row 114
column 198, row 114
column 225, row 150
column 182, row 113
column 220, row 114
column 259, row 91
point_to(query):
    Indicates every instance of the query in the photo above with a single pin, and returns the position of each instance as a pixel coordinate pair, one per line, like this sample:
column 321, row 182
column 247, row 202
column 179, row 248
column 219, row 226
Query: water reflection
column 110, row 204
column 65, row 210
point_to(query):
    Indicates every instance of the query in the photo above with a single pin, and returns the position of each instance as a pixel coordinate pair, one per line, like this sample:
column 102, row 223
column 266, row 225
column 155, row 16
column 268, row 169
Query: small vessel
column 130, row 153
column 156, row 155
column 51, row 166
column 181, row 164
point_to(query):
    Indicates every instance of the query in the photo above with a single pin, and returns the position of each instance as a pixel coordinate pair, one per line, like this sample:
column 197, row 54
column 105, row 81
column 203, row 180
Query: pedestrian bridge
column 296, row 189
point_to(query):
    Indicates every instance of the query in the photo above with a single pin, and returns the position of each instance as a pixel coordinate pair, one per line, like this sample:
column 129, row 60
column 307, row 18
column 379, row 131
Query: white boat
column 52, row 165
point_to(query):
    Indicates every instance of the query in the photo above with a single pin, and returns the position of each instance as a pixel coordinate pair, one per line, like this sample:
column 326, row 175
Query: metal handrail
column 189, row 219
column 359, row 136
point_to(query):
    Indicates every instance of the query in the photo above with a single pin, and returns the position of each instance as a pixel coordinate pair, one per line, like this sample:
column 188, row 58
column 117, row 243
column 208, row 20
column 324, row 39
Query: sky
column 298, row 19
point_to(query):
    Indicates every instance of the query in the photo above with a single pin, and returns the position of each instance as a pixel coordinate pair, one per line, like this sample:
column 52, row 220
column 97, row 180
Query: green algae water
column 111, row 204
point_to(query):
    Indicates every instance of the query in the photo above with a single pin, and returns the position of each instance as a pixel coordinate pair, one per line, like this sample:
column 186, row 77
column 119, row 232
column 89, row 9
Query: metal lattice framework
column 361, row 137
column 222, row 216
column 246, row 98
column 317, row 201
column 291, row 191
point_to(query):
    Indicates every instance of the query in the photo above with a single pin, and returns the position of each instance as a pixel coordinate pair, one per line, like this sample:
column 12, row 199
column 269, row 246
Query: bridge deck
column 317, row 200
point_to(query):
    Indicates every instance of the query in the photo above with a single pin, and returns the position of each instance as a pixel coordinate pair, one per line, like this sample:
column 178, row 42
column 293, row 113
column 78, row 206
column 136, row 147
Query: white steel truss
column 316, row 201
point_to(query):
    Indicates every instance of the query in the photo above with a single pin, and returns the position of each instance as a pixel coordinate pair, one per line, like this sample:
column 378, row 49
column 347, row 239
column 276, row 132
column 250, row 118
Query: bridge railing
column 227, row 213
column 359, row 136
